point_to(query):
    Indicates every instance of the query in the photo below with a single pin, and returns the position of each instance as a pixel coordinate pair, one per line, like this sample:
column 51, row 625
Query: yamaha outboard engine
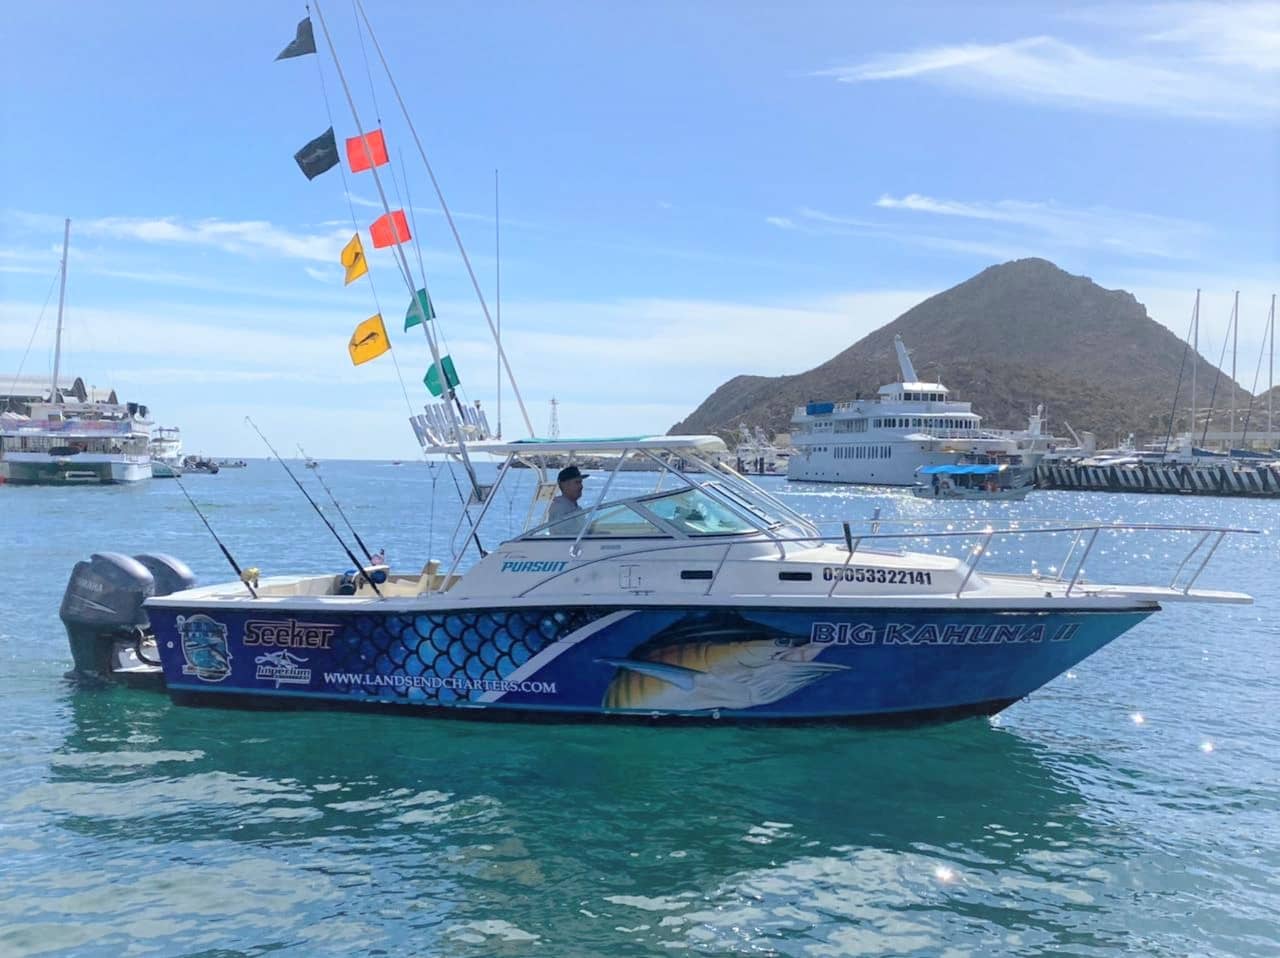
column 102, row 607
column 171, row 575
column 103, row 614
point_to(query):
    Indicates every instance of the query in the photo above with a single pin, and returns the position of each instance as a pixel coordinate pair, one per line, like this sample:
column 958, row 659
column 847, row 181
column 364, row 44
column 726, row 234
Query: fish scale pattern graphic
column 482, row 646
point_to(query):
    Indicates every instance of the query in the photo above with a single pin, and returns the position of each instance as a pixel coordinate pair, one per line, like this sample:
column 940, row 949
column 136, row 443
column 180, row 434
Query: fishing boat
column 703, row 598
column 974, row 481
column 710, row 599
column 166, row 453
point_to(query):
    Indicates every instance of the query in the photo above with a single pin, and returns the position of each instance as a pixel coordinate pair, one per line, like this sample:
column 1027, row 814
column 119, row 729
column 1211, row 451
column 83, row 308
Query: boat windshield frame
column 760, row 513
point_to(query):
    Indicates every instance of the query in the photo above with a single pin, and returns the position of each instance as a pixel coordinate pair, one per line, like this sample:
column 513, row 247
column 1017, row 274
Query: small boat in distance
column 974, row 482
column 198, row 463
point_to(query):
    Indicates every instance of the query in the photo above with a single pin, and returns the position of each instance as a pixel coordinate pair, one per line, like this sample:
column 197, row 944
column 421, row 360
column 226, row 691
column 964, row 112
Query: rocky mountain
column 1013, row 336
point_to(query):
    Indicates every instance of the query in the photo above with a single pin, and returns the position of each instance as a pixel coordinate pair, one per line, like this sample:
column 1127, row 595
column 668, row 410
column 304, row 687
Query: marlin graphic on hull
column 718, row 661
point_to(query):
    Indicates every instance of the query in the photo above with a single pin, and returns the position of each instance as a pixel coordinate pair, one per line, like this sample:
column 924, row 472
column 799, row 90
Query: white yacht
column 76, row 439
column 166, row 453
column 755, row 455
column 76, row 443
column 883, row 441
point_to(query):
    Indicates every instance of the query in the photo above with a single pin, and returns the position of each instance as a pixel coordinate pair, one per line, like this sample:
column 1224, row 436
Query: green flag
column 419, row 306
column 432, row 378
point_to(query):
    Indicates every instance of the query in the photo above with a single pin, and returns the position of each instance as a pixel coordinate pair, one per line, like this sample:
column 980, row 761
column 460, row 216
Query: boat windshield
column 609, row 522
column 744, row 503
column 694, row 512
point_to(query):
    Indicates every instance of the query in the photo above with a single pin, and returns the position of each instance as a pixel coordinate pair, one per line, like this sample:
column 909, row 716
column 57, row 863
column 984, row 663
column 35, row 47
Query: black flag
column 319, row 155
column 303, row 43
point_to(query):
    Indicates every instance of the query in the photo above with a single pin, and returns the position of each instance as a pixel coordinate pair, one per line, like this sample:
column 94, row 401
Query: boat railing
column 1087, row 533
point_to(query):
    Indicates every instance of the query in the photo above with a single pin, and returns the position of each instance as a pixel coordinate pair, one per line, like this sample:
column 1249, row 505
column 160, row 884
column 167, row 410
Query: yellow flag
column 353, row 260
column 369, row 341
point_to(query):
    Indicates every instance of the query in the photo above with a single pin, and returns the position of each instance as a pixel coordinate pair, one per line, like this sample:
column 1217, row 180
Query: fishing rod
column 363, row 548
column 350, row 555
column 243, row 577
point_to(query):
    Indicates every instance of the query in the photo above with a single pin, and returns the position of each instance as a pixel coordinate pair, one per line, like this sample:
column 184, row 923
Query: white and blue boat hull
column 651, row 662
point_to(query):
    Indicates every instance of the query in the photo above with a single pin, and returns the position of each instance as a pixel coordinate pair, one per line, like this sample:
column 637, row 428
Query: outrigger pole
column 475, row 283
column 407, row 273
column 350, row 555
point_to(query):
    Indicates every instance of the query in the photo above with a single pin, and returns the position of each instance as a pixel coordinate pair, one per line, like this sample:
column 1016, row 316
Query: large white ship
column 883, row 441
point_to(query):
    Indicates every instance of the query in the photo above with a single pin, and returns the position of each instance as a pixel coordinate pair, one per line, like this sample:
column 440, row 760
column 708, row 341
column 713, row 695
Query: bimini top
column 546, row 447
column 987, row 470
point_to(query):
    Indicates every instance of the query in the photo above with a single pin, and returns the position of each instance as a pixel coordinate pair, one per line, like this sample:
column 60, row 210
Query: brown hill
column 1015, row 335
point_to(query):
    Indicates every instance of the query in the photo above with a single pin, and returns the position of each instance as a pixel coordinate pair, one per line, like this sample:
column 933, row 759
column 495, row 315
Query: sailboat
column 706, row 598
column 70, row 437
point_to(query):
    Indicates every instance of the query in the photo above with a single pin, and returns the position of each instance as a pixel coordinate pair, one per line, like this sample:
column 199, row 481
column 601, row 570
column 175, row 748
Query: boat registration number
column 855, row 573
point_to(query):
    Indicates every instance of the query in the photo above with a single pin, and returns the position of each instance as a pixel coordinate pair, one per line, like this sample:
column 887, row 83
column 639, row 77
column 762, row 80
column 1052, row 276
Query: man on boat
column 569, row 480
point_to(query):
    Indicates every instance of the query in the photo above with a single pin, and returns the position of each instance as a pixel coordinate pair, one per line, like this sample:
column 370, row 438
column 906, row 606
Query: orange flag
column 388, row 229
column 372, row 152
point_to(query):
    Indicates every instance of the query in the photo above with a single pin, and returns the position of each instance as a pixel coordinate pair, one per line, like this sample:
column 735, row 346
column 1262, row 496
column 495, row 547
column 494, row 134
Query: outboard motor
column 102, row 608
column 104, row 617
column 170, row 574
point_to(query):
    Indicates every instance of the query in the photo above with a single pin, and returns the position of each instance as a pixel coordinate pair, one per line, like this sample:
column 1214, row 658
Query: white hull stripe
column 555, row 649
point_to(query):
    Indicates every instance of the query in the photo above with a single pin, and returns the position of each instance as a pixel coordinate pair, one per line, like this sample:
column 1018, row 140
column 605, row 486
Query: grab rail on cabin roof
column 987, row 535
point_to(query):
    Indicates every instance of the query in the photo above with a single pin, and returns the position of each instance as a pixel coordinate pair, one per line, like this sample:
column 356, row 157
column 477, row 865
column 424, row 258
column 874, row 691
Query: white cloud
column 1199, row 60
column 818, row 223
column 622, row 348
column 1241, row 34
column 1117, row 231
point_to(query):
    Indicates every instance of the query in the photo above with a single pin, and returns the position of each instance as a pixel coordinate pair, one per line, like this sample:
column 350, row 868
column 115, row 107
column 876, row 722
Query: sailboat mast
column 1235, row 339
column 1271, row 374
column 62, row 296
column 497, row 258
column 1195, row 361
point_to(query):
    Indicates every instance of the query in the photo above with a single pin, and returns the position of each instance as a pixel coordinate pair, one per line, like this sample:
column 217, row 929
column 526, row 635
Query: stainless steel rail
column 987, row 534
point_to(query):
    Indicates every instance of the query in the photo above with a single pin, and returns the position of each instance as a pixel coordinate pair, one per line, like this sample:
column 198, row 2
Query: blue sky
column 689, row 192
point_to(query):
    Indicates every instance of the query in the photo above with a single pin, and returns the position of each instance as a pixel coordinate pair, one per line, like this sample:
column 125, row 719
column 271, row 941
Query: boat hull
column 75, row 471
column 598, row 662
column 1016, row 494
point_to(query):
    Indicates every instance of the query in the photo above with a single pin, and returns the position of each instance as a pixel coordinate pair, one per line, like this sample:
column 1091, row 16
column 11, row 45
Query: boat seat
column 431, row 580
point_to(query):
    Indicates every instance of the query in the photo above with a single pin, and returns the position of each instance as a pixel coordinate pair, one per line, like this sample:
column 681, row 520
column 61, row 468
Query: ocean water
column 1131, row 807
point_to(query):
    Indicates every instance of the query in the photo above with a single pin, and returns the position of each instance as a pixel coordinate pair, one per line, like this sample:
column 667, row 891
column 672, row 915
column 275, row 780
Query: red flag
column 372, row 152
column 388, row 229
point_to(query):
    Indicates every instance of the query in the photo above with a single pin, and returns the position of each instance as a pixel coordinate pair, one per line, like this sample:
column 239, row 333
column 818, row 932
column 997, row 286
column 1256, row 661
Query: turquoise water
column 1130, row 807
